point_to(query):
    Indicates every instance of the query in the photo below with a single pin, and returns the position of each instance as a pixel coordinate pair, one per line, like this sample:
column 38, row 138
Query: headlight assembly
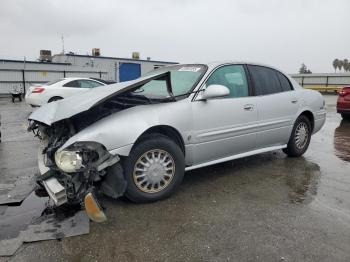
column 68, row 161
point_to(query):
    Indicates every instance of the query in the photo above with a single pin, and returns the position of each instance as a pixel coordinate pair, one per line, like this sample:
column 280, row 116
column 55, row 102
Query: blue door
column 129, row 71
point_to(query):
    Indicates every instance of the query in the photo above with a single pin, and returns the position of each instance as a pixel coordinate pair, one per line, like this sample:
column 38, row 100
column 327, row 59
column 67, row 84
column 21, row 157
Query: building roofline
column 32, row 62
column 343, row 74
column 118, row 58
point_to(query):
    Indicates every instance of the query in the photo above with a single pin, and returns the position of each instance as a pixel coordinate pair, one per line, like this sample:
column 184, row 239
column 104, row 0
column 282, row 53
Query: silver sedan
column 138, row 138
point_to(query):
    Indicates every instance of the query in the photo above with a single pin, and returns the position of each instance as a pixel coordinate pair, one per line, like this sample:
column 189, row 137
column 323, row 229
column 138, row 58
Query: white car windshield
column 183, row 80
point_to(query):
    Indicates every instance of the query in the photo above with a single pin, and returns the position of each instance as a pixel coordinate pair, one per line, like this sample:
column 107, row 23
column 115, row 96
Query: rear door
column 277, row 105
column 225, row 126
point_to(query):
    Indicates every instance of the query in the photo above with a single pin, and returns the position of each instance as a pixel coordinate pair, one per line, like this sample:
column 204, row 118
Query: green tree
column 340, row 64
column 346, row 65
column 304, row 70
column 335, row 64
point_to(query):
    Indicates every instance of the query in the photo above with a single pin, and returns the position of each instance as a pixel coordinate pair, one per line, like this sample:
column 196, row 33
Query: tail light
column 344, row 91
column 38, row 90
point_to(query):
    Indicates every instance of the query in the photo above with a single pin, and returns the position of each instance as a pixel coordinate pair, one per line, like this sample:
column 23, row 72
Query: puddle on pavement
column 33, row 210
column 303, row 181
column 342, row 140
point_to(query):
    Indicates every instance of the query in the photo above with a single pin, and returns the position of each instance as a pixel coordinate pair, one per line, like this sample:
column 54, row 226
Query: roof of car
column 76, row 78
column 217, row 63
column 213, row 64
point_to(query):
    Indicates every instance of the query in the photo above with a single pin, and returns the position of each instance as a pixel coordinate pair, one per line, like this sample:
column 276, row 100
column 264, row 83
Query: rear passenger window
column 88, row 84
column 265, row 80
column 285, row 84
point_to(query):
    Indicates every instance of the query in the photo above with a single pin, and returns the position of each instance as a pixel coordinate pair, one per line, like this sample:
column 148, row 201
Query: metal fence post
column 302, row 81
column 24, row 81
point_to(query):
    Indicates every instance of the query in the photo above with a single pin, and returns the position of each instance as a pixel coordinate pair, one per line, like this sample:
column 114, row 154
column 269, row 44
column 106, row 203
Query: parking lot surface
column 262, row 208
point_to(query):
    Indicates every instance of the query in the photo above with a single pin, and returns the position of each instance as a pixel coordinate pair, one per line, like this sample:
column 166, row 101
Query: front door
column 225, row 126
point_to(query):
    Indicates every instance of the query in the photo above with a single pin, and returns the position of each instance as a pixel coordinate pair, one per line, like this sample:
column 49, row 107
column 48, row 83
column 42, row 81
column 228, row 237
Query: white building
column 118, row 69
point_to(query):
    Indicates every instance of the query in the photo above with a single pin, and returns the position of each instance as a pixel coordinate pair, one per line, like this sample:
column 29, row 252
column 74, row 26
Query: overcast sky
column 283, row 33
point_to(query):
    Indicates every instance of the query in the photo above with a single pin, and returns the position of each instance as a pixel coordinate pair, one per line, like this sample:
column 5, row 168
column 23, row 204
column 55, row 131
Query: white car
column 39, row 95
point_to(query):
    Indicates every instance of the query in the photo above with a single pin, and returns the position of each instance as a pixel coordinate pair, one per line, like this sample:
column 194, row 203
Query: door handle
column 294, row 101
column 248, row 107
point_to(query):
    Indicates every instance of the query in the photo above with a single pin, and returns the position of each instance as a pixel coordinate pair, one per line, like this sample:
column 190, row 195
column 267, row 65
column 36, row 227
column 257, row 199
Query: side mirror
column 214, row 91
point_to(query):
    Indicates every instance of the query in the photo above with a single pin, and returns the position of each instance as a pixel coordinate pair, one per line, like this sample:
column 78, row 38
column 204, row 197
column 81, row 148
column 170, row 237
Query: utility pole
column 62, row 44
column 23, row 75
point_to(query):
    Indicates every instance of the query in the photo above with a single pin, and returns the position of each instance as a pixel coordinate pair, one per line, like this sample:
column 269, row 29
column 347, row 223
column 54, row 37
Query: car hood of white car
column 70, row 106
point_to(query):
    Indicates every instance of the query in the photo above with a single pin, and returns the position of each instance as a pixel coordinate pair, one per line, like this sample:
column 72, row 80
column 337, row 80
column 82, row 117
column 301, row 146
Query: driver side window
column 233, row 77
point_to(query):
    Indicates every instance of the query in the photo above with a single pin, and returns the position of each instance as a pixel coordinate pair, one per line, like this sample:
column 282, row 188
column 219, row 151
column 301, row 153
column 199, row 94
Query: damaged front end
column 75, row 165
column 78, row 173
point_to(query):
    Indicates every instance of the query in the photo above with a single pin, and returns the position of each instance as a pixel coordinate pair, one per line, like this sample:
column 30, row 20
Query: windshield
column 183, row 80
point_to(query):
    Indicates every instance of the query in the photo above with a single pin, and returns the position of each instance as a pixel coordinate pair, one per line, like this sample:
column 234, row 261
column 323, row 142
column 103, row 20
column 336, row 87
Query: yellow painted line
column 323, row 88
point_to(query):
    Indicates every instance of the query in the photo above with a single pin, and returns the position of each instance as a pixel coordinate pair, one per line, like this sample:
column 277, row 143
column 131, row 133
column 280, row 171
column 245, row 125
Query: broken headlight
column 69, row 161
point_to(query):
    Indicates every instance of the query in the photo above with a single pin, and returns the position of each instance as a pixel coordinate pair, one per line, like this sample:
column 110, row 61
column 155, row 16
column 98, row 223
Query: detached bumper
column 56, row 191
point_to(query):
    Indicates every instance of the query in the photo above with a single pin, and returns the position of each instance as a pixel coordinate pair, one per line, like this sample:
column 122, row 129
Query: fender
column 118, row 132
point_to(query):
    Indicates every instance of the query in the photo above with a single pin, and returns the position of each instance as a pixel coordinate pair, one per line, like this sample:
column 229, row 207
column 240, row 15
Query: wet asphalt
column 262, row 208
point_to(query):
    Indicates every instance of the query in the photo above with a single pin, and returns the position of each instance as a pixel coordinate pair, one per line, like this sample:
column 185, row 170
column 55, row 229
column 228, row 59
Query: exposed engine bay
column 85, row 167
column 90, row 159
column 77, row 173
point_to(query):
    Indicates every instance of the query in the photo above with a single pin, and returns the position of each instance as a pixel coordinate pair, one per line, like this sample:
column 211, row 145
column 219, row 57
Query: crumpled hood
column 70, row 106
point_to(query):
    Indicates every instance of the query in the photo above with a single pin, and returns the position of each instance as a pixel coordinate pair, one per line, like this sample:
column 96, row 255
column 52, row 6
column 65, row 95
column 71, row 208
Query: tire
column 345, row 116
column 297, row 148
column 161, row 150
column 55, row 98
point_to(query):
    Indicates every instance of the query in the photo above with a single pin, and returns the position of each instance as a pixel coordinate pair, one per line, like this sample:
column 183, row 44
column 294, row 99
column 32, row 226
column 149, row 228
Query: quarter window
column 82, row 84
column 233, row 77
column 285, row 84
column 265, row 80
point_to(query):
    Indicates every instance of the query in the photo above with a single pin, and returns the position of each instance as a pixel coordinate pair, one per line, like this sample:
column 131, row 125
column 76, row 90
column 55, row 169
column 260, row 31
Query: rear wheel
column 55, row 98
column 154, row 169
column 300, row 138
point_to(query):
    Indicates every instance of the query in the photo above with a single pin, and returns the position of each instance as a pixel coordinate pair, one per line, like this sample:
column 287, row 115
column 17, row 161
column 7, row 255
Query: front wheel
column 300, row 138
column 345, row 116
column 154, row 169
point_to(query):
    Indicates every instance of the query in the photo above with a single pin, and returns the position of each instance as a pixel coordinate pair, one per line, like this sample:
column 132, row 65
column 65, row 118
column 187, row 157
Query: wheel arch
column 54, row 98
column 310, row 116
column 166, row 130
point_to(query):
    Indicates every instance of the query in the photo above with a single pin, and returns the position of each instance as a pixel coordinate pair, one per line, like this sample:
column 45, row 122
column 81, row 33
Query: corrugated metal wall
column 109, row 64
column 11, row 71
column 25, row 77
column 331, row 81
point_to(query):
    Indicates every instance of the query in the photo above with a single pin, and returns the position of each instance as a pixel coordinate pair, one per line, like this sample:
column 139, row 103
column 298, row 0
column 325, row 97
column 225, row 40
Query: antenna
column 62, row 44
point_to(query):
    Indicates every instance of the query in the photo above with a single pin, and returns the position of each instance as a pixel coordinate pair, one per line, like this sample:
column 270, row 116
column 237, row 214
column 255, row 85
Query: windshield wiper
column 140, row 97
